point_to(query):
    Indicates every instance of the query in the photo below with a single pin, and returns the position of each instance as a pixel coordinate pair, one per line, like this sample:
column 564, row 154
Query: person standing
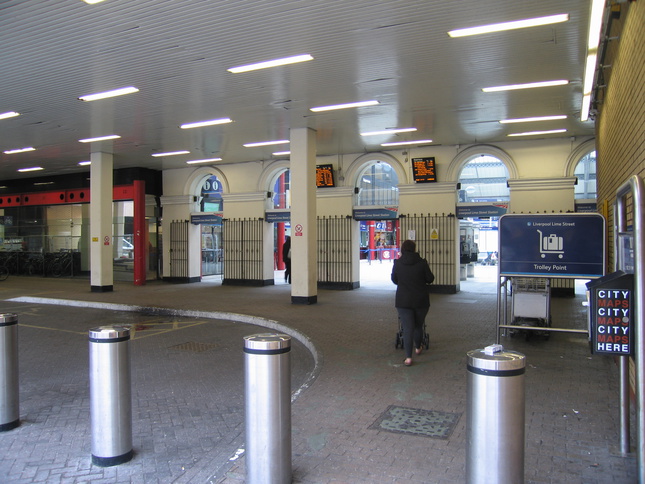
column 412, row 275
column 286, row 258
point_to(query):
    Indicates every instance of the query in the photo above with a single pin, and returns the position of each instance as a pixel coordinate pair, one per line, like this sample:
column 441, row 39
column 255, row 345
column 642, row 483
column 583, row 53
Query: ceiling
column 177, row 52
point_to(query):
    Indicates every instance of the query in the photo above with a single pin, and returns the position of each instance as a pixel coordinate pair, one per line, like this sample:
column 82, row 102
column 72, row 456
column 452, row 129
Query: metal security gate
column 242, row 244
column 179, row 249
column 435, row 236
column 335, row 252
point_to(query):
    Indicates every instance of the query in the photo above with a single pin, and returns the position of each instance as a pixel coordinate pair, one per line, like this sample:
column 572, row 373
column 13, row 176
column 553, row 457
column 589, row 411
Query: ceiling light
column 389, row 131
column 84, row 163
column 100, row 138
column 415, row 142
column 103, row 95
column 359, row 104
column 33, row 168
column 281, row 153
column 272, row 63
column 9, row 114
column 171, row 153
column 536, row 118
column 210, row 122
column 19, row 150
column 37, row 184
column 595, row 25
column 92, row 2
column 534, row 133
column 530, row 85
column 208, row 160
column 516, row 24
column 266, row 143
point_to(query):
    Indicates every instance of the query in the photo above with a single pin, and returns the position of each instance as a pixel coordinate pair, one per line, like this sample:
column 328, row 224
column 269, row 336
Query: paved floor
column 355, row 403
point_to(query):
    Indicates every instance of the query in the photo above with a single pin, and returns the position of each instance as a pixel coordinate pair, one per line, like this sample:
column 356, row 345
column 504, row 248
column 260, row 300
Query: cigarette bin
column 110, row 395
column 9, row 390
column 267, row 369
column 495, row 416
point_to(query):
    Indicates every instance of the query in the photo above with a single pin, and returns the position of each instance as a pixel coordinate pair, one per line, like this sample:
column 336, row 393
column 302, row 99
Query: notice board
column 552, row 245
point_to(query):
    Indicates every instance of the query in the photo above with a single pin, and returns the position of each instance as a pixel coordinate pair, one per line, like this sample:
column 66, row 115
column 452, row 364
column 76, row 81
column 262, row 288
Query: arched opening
column 211, row 203
column 585, row 171
column 280, row 189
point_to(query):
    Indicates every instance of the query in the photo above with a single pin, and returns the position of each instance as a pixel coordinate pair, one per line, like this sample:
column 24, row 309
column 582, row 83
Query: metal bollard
column 110, row 395
column 495, row 416
column 9, row 390
column 267, row 369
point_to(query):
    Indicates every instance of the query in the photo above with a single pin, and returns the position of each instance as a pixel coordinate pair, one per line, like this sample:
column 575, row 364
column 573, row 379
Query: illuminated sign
column 423, row 170
column 325, row 176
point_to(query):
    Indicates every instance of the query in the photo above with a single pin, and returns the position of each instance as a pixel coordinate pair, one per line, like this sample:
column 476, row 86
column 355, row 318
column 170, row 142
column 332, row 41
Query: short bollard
column 110, row 395
column 495, row 416
column 267, row 369
column 9, row 390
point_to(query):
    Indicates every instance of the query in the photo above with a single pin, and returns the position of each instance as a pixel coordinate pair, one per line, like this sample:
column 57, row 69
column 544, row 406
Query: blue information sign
column 558, row 245
column 385, row 213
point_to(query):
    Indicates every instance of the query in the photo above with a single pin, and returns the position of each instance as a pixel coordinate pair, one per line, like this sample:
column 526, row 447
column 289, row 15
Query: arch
column 194, row 183
column 362, row 161
column 577, row 154
column 265, row 183
column 466, row 155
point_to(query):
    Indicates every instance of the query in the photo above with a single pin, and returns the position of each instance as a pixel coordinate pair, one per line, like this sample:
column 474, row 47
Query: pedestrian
column 412, row 275
column 286, row 258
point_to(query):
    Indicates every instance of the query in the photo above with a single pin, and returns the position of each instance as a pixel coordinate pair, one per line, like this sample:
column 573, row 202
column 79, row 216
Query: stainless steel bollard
column 267, row 370
column 495, row 416
column 110, row 395
column 9, row 389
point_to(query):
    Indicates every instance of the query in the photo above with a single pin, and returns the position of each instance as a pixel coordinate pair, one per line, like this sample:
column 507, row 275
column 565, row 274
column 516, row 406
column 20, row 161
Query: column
column 101, row 190
column 304, row 276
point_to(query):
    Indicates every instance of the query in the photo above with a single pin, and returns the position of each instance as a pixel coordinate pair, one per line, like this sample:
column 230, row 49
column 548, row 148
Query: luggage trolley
column 425, row 338
column 530, row 303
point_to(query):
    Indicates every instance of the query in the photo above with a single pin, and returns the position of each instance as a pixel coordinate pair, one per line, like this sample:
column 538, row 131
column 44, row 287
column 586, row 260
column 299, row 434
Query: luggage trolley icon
column 551, row 244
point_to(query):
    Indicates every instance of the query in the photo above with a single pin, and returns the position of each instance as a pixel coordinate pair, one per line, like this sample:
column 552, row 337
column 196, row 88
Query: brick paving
column 188, row 414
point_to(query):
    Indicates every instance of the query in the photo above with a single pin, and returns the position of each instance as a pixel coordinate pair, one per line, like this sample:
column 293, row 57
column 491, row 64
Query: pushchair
column 425, row 338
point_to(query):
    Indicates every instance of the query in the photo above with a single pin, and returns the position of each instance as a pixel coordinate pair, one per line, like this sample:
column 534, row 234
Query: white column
column 101, row 194
column 304, row 276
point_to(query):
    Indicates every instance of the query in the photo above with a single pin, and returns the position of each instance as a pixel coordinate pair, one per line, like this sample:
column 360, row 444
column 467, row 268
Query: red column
column 281, row 237
column 371, row 246
column 140, row 232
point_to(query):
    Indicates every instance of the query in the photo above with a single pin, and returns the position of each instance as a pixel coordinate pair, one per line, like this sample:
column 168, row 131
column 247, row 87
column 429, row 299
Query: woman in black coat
column 412, row 275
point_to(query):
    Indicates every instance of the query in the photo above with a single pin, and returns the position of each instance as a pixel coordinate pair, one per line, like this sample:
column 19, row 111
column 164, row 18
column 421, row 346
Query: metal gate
column 242, row 244
column 435, row 236
column 179, row 249
column 335, row 252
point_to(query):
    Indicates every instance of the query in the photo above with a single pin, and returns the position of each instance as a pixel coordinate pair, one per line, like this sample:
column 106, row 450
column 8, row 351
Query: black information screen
column 423, row 170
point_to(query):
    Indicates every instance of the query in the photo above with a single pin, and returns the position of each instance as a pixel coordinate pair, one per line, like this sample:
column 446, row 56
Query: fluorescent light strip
column 535, row 133
column 266, row 143
column 388, row 131
column 281, row 153
column 84, row 163
column 272, row 63
column 359, row 104
column 208, row 160
column 100, row 138
column 210, row 122
column 516, row 24
column 414, row 142
column 33, row 168
column 530, row 85
column 9, row 114
column 106, row 94
column 536, row 118
column 171, row 153
column 92, row 2
column 19, row 150
column 595, row 25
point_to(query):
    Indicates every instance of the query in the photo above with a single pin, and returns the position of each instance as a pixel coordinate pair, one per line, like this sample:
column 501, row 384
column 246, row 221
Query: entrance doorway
column 379, row 241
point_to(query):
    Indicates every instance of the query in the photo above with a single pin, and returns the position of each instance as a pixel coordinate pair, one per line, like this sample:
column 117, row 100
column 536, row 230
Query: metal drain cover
column 416, row 421
column 194, row 347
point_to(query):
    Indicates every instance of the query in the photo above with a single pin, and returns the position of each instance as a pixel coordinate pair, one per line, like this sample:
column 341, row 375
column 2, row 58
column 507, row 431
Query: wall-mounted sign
column 325, row 176
column 611, row 314
column 556, row 245
column 277, row 216
column 385, row 213
column 213, row 218
column 482, row 210
column 423, row 170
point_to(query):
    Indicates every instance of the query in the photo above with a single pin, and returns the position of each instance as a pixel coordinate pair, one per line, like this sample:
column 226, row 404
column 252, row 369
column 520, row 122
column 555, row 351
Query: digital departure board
column 423, row 170
column 325, row 176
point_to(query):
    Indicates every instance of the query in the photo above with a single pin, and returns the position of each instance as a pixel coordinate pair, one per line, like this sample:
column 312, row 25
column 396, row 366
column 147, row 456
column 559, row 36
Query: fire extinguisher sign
column 557, row 245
